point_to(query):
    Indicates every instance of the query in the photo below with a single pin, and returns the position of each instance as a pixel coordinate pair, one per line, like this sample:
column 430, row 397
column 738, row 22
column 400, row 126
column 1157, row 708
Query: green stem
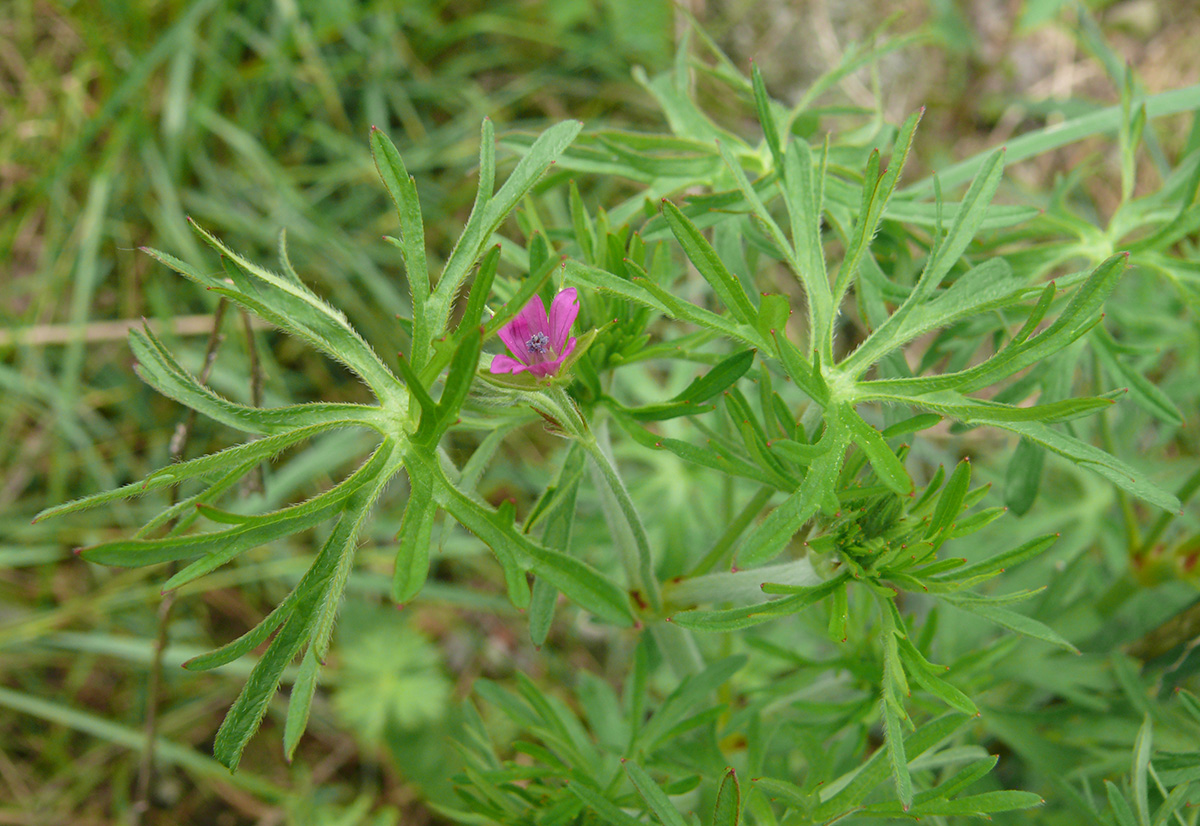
column 678, row 648
column 716, row 554
column 642, row 565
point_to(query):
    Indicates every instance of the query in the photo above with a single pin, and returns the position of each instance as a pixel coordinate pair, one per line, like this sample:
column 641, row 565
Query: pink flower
column 539, row 342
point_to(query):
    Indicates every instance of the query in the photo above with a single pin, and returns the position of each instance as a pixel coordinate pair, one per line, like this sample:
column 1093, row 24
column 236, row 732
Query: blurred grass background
column 119, row 119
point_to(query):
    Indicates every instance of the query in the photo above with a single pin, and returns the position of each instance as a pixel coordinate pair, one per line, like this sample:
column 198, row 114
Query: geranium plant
column 759, row 335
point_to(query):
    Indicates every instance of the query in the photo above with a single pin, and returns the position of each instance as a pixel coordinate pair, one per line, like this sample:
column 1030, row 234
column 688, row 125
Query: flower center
column 538, row 343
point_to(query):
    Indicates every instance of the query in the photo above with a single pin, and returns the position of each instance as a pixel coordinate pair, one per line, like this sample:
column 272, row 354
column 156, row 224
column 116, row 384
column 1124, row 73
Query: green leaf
column 417, row 391
column 922, row 421
column 734, row 619
column 608, row 812
column 945, row 254
column 1011, row 620
column 473, row 238
column 1191, row 703
column 1141, row 769
column 300, row 703
column 798, row 452
column 559, row 518
column 721, row 460
column 757, row 207
column 763, row 105
column 1001, row 562
column 894, row 735
column 1119, row 805
column 403, row 191
column 247, row 712
column 1177, row 799
column 542, row 603
column 799, row 369
column 298, row 310
column 939, row 688
column 493, row 209
column 959, row 781
column 745, row 422
column 576, row 579
column 319, row 506
column 950, row 503
column 1055, row 135
column 655, row 798
column 699, row 391
column 1023, row 477
column 771, row 535
column 678, row 708
column 1096, row 460
column 724, row 283
column 481, row 288
column 158, row 368
column 1075, row 320
column 585, row 233
column 789, row 793
column 311, row 619
column 463, row 365
column 1143, row 392
column 314, row 578
column 416, row 532
column 644, row 291
column 773, row 313
column 134, row 553
column 846, row 793
column 877, row 192
column 728, row 811
column 978, row 805
column 803, row 193
column 1078, row 318
column 956, row 406
column 253, row 451
column 987, row 287
column 888, row 467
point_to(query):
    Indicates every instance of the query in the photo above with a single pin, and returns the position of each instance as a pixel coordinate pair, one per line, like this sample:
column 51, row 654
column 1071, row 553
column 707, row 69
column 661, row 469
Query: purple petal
column 549, row 368
column 531, row 319
column 506, row 364
column 563, row 311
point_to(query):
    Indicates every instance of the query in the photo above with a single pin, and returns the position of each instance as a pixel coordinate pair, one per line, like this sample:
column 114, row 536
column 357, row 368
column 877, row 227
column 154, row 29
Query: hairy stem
column 641, row 564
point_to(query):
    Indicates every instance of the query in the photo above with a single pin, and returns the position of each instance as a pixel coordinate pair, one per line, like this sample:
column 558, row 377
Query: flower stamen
column 539, row 341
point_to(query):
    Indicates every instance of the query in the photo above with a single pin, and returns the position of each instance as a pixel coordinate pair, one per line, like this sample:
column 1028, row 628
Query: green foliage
column 756, row 511
column 390, row 675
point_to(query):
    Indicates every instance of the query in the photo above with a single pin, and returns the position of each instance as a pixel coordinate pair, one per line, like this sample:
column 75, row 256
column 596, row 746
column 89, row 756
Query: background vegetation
column 118, row 121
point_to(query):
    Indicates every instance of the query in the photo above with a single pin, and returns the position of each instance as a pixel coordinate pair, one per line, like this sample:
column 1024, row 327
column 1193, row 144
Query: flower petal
column 505, row 364
column 531, row 319
column 549, row 368
column 563, row 311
